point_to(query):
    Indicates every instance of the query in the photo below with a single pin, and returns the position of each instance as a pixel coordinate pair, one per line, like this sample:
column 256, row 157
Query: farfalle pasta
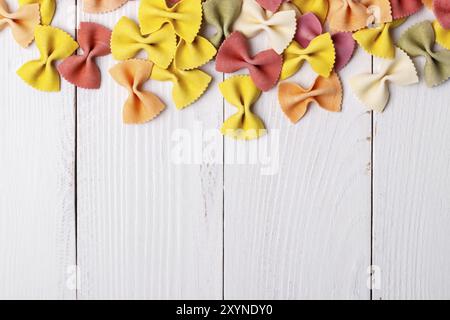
column 188, row 85
column 141, row 106
column 271, row 5
column 221, row 15
column 318, row 7
column 47, row 9
column 320, row 54
column 53, row 44
column 309, row 27
column 442, row 35
column 264, row 67
column 185, row 17
column 378, row 41
column 418, row 41
column 241, row 92
column 372, row 89
column 279, row 27
column 405, row 8
column 193, row 55
column 353, row 15
column 22, row 22
column 102, row 6
column 295, row 100
column 127, row 41
column 81, row 70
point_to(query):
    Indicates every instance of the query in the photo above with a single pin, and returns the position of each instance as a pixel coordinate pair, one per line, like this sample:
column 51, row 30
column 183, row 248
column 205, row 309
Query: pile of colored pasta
column 168, row 32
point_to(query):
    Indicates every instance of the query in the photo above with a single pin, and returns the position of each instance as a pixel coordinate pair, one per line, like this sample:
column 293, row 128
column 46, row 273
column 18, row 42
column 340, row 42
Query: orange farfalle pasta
column 102, row 6
column 82, row 70
column 141, row 106
column 22, row 22
column 294, row 99
column 353, row 15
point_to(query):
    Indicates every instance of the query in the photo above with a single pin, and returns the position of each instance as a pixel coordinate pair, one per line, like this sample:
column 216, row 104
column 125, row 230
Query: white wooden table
column 324, row 201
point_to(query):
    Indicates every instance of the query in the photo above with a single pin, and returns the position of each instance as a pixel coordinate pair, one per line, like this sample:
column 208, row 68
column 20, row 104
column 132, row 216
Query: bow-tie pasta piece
column 82, row 71
column 309, row 27
column 141, row 106
column 102, row 6
column 295, row 100
column 241, row 92
column 188, row 86
column 442, row 35
column 185, row 17
column 53, row 44
column 264, row 68
column 221, row 15
column 353, row 15
column 47, row 9
column 373, row 89
column 419, row 41
column 22, row 22
column 320, row 54
column 317, row 7
column 441, row 9
column 127, row 42
column 271, row 5
column 280, row 27
column 193, row 55
column 378, row 41
column 405, row 8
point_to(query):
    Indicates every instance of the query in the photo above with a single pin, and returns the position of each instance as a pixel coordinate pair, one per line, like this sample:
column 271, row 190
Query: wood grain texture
column 149, row 227
column 411, row 190
column 297, row 222
column 37, row 141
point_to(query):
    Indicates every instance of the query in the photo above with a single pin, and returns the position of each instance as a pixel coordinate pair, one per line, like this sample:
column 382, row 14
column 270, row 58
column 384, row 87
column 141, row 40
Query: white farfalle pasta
column 373, row 89
column 280, row 27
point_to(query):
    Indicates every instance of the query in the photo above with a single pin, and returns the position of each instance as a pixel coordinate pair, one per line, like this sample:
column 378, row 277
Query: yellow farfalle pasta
column 442, row 35
column 53, row 44
column 241, row 92
column 185, row 17
column 22, row 22
column 318, row 7
column 188, row 86
column 47, row 8
column 194, row 55
column 320, row 54
column 141, row 106
column 127, row 41
column 372, row 89
column 378, row 41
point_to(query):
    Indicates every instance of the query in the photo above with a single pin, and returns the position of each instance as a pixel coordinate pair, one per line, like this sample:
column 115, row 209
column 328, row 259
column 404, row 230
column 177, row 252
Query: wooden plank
column 149, row 227
column 297, row 220
column 411, row 183
column 37, row 219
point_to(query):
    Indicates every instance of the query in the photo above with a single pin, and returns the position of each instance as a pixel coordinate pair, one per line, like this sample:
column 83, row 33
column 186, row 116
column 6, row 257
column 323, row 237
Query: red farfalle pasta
column 82, row 70
column 441, row 9
column 405, row 8
column 264, row 68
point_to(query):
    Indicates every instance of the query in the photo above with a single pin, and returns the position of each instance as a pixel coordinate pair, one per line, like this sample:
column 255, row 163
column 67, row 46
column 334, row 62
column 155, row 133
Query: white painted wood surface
column 37, row 216
column 411, row 190
column 294, row 223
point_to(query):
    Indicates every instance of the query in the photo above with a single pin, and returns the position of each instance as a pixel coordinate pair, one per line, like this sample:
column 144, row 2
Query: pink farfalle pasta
column 102, row 6
column 441, row 9
column 309, row 27
column 264, row 68
column 271, row 5
column 82, row 70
